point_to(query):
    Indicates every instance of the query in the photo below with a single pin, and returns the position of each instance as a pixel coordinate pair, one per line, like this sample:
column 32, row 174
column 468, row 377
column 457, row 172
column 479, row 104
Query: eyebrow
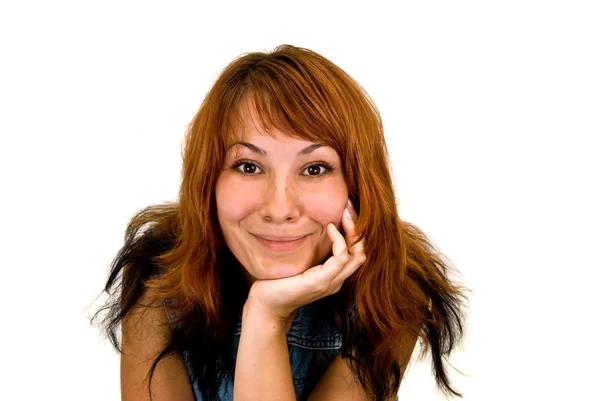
column 256, row 149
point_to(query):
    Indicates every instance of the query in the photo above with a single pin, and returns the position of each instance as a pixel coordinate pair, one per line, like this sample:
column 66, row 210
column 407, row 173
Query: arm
column 263, row 370
column 144, row 334
column 339, row 384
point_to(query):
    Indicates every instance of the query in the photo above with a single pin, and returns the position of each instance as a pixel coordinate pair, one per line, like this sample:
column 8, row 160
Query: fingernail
column 347, row 213
column 349, row 203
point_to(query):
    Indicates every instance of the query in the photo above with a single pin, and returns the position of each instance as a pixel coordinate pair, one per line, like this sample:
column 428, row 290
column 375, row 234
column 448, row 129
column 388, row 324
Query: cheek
column 234, row 201
column 326, row 205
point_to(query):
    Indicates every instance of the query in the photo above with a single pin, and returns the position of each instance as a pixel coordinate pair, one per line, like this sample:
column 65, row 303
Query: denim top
column 313, row 342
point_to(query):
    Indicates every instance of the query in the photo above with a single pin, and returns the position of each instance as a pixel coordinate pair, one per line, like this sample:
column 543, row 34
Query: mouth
column 280, row 244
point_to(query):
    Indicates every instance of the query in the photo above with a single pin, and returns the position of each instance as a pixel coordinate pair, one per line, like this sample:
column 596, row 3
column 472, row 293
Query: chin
column 279, row 271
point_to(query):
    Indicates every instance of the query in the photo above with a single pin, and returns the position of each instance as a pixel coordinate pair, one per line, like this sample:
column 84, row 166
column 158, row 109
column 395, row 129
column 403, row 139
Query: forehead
column 251, row 122
column 282, row 147
column 253, row 136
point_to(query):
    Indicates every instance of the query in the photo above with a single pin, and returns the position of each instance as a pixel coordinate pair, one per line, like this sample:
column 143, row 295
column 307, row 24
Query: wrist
column 255, row 315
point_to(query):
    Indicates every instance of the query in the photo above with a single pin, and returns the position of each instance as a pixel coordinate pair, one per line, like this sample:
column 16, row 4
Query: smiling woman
column 279, row 193
column 283, row 272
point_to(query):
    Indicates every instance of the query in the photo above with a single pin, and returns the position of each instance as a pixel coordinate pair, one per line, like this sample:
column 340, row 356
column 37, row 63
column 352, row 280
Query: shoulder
column 147, row 320
column 145, row 333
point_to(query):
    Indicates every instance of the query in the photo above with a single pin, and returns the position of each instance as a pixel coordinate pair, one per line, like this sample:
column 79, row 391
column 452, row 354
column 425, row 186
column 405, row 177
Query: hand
column 277, row 300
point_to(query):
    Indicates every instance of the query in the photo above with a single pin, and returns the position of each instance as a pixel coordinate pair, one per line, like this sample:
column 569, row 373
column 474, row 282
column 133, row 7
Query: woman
column 283, row 272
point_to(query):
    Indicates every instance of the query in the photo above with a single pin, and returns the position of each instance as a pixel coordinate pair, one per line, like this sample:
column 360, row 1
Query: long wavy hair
column 175, row 251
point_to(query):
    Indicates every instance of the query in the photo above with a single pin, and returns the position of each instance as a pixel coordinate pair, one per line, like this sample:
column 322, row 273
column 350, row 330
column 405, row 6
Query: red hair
column 401, row 292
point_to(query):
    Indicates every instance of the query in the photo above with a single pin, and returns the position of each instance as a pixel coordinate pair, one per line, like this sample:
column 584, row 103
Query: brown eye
column 314, row 170
column 245, row 167
column 319, row 169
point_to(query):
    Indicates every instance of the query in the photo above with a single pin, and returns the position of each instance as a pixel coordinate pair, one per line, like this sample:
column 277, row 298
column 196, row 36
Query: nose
column 280, row 202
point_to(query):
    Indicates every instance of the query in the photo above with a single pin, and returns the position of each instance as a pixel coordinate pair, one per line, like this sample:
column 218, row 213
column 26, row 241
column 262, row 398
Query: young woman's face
column 275, row 197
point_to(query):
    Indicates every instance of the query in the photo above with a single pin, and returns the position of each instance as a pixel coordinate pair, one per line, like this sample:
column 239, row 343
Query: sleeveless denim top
column 313, row 342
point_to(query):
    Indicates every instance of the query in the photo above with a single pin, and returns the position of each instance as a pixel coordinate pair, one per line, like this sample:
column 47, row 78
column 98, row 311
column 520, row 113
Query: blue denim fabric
column 313, row 343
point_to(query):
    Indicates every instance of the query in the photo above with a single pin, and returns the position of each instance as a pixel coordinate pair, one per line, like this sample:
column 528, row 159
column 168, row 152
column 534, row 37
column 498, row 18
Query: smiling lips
column 280, row 244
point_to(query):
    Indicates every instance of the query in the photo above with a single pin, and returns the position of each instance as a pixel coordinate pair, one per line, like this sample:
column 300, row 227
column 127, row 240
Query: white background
column 492, row 115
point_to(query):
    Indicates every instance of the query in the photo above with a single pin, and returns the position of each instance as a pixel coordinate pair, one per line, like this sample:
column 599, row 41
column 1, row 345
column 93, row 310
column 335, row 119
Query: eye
column 315, row 170
column 319, row 166
column 248, row 168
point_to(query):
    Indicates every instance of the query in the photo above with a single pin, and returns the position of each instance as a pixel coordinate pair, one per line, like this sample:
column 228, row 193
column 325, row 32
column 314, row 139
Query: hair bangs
column 402, row 291
column 277, row 102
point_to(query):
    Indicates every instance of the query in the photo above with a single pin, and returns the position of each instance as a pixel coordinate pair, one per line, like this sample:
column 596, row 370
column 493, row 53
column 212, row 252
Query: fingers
column 340, row 262
column 348, row 220
column 288, row 294
column 346, row 260
column 338, row 248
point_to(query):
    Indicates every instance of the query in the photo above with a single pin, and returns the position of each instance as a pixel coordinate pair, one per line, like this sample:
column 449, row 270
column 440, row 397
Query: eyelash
column 328, row 167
